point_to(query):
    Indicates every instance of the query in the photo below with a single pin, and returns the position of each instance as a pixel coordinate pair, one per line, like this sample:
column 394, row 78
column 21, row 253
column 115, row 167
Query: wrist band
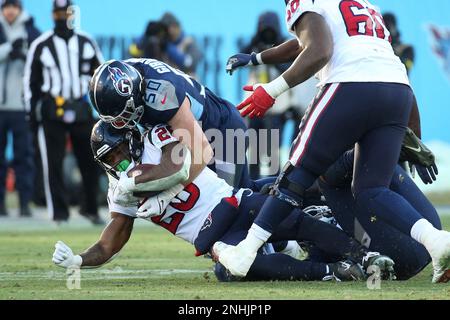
column 256, row 59
column 276, row 87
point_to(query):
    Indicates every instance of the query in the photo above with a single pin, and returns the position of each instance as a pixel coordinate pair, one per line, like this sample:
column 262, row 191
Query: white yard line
column 116, row 274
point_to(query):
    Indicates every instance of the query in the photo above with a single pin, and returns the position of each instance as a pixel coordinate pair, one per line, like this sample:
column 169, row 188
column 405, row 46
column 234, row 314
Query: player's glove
column 123, row 192
column 420, row 157
column 257, row 104
column 241, row 60
column 63, row 257
column 427, row 174
column 262, row 98
column 156, row 206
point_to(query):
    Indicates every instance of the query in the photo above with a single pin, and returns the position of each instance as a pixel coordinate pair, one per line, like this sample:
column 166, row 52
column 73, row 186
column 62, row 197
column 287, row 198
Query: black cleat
column 223, row 275
column 384, row 263
column 345, row 271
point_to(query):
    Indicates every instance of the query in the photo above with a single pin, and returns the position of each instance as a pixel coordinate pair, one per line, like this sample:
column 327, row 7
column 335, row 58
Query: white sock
column 422, row 231
column 256, row 237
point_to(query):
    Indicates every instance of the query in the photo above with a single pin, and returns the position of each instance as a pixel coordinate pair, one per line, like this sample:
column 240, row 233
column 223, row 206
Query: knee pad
column 286, row 189
column 264, row 185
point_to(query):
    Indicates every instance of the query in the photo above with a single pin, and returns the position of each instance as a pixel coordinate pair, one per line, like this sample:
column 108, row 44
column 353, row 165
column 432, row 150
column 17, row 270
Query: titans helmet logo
column 121, row 81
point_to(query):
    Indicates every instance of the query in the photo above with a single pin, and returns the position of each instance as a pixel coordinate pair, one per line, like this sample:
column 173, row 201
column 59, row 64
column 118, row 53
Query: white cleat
column 441, row 258
column 237, row 259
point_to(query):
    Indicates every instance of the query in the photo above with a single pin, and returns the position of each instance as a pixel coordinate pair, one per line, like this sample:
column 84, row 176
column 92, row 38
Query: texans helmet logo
column 121, row 81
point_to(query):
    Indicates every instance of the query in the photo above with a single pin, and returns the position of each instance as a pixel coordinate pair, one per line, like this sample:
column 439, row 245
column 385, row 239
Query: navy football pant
column 370, row 116
column 230, row 225
column 374, row 231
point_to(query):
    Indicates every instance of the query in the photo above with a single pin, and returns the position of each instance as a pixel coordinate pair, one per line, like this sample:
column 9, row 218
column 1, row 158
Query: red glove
column 257, row 104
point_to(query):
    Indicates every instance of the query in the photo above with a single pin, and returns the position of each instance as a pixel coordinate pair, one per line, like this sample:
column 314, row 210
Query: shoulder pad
column 161, row 95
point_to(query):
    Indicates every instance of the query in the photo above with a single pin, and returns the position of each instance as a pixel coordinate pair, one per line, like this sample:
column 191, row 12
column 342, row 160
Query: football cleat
column 224, row 275
column 385, row 264
column 345, row 271
column 440, row 253
column 237, row 259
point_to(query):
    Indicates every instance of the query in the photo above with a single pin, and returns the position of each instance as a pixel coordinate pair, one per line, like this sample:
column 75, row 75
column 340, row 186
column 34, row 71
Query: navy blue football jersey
column 167, row 88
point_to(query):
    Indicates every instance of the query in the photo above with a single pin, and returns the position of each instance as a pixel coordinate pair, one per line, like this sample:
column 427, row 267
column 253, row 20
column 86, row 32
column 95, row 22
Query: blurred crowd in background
column 46, row 119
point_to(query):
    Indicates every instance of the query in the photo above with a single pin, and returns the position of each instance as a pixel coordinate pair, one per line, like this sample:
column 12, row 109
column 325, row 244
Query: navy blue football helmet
column 114, row 149
column 116, row 92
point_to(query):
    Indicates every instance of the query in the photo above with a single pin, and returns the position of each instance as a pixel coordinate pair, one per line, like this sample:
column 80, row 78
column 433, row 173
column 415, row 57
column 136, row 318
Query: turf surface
column 156, row 265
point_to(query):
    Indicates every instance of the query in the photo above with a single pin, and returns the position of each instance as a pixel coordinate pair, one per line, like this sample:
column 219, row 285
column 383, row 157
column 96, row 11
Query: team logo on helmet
column 121, row 81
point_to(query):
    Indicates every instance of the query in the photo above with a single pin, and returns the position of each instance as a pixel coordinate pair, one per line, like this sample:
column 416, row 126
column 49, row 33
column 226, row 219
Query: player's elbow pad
column 181, row 176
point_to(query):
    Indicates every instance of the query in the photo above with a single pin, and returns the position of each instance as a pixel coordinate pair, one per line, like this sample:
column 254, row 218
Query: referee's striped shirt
column 60, row 68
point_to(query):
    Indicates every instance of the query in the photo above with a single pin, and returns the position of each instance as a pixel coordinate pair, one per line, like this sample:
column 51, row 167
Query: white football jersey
column 362, row 48
column 195, row 203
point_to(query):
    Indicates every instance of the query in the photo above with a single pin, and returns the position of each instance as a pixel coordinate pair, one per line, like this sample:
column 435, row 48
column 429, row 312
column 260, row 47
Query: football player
column 376, row 234
column 204, row 212
column 365, row 101
column 148, row 92
column 373, row 231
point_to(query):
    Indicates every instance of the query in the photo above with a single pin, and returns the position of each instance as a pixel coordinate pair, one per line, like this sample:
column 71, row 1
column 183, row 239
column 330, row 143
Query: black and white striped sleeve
column 33, row 77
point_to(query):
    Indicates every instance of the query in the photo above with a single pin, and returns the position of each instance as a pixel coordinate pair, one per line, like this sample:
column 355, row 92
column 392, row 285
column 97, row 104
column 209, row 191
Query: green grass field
column 156, row 265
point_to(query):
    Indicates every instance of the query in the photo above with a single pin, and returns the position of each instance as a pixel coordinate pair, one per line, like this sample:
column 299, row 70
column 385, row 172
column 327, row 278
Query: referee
column 58, row 68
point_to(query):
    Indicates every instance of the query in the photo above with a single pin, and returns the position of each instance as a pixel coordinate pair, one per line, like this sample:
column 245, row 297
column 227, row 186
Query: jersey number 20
column 362, row 21
column 184, row 205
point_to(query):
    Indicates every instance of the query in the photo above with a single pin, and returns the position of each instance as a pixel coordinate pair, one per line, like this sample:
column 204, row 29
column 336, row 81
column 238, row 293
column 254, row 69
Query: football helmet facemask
column 115, row 149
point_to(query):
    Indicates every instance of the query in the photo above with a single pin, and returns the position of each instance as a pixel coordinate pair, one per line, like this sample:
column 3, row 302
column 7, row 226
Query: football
column 138, row 171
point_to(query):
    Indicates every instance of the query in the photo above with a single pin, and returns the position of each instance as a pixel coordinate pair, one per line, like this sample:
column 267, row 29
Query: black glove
column 17, row 50
column 427, row 174
column 18, row 44
column 419, row 156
